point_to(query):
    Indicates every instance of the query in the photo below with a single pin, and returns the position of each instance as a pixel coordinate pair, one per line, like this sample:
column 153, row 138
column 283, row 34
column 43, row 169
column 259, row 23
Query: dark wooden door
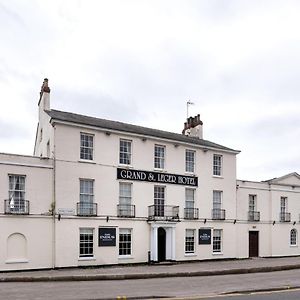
column 161, row 244
column 253, row 243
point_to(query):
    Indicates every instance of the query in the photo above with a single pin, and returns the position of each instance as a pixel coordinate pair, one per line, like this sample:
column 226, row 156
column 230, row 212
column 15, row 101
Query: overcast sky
column 140, row 61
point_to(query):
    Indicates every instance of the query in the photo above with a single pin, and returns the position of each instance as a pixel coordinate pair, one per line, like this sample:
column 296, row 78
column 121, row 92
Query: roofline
column 103, row 129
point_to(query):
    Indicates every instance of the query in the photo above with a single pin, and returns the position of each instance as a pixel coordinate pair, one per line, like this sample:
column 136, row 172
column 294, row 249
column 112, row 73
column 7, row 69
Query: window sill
column 17, row 261
column 217, row 253
column 189, row 173
column 86, row 258
column 160, row 170
column 294, row 246
column 218, row 176
column 125, row 257
column 190, row 254
column 86, row 161
column 125, row 166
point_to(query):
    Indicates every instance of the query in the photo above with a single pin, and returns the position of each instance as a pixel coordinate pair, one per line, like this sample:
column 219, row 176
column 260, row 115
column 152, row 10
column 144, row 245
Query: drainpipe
column 54, row 204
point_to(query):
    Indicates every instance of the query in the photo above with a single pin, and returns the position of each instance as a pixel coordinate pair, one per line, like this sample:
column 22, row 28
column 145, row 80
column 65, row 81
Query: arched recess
column 16, row 248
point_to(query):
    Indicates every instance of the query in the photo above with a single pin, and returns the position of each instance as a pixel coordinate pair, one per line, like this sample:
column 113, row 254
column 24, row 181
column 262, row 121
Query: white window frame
column 252, row 203
column 86, row 151
column 189, row 245
column 217, row 199
column 283, row 204
column 159, row 156
column 217, row 241
column 159, row 196
column 125, row 233
column 16, row 195
column 125, row 152
column 84, row 244
column 190, row 156
column 125, row 200
column 217, row 165
column 293, row 237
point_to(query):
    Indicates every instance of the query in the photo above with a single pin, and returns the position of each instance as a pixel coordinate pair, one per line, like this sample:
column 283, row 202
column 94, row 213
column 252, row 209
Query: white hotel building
column 100, row 192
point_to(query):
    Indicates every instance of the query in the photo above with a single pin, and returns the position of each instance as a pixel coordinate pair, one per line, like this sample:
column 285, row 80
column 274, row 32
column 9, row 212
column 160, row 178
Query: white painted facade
column 54, row 176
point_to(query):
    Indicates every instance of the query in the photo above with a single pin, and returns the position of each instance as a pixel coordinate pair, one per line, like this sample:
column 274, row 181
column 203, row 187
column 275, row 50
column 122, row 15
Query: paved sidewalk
column 203, row 268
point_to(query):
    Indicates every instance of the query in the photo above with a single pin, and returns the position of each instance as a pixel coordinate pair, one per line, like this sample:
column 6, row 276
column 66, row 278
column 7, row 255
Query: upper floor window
column 159, row 157
column 125, row 152
column 217, row 199
column 190, row 161
column 86, row 146
column 217, row 165
column 293, row 237
column 17, row 203
column 86, row 190
column 283, row 205
column 125, row 209
column 86, row 205
column 252, row 203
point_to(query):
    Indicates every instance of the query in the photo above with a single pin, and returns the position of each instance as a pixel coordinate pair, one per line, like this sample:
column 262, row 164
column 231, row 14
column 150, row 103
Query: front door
column 253, row 243
column 161, row 244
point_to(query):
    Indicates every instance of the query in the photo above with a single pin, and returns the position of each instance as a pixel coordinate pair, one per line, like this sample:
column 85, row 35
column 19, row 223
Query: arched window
column 293, row 237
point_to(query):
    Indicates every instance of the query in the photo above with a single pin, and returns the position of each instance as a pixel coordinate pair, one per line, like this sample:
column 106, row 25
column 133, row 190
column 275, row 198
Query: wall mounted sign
column 106, row 236
column 204, row 236
column 66, row 211
column 156, row 177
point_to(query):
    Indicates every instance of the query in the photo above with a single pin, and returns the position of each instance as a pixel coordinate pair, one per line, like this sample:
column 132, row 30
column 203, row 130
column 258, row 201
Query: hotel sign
column 106, row 236
column 156, row 177
column 204, row 236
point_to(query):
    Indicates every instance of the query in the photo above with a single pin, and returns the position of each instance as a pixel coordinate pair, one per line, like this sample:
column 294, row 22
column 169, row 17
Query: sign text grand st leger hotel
column 158, row 177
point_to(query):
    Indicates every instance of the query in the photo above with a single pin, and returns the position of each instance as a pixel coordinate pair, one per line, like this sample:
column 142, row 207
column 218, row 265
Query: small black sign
column 156, row 177
column 204, row 236
column 107, row 236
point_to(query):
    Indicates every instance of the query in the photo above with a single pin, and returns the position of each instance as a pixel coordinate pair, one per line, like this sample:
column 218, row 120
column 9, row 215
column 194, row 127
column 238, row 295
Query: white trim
column 17, row 261
column 86, row 258
column 26, row 164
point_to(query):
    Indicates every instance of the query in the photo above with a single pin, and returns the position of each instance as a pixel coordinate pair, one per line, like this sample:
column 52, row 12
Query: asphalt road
column 277, row 295
column 160, row 287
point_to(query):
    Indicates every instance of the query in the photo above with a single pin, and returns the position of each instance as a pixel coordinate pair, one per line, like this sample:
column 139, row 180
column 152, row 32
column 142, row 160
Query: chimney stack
column 193, row 127
column 44, row 102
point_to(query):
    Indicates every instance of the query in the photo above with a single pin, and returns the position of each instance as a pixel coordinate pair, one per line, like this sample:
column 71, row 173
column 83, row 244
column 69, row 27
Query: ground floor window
column 293, row 237
column 189, row 241
column 217, row 241
column 124, row 242
column 86, row 242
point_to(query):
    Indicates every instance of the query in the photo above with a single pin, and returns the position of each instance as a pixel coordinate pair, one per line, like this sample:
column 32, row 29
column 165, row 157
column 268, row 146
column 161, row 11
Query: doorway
column 253, row 243
column 161, row 244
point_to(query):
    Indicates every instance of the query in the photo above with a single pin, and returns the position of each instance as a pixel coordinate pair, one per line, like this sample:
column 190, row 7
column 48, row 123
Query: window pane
column 189, row 241
column 159, row 157
column 125, row 152
column 217, row 240
column 190, row 161
column 86, row 146
column 125, row 242
column 86, row 242
column 217, row 165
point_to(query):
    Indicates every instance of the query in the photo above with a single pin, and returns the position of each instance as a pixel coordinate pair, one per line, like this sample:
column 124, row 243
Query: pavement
column 182, row 269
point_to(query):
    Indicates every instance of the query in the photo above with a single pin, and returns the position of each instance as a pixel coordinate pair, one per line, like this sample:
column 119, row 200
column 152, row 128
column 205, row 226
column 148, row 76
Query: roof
column 278, row 179
column 129, row 128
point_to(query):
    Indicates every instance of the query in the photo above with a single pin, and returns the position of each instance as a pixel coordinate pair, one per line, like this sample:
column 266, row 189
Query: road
column 277, row 295
column 160, row 287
